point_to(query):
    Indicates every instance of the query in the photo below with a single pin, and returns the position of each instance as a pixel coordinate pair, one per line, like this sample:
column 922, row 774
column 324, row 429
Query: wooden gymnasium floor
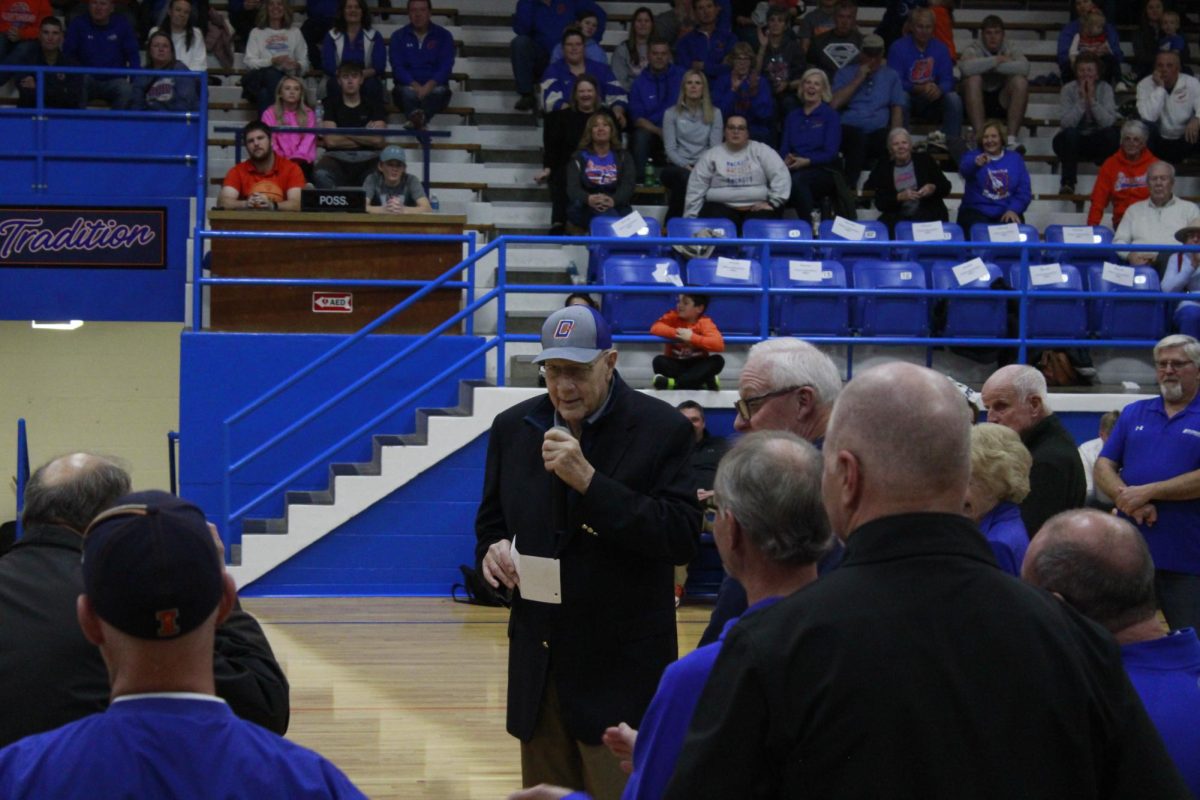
column 406, row 695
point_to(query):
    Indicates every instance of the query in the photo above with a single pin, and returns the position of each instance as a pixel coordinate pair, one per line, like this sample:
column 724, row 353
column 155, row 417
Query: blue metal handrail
column 22, row 472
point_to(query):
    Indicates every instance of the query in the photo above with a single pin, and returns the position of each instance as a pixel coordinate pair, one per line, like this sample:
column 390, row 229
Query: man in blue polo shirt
column 1150, row 466
column 927, row 75
column 1101, row 566
column 872, row 102
column 770, row 531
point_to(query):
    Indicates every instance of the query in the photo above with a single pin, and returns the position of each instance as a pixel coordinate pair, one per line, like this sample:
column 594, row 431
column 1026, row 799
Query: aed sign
column 333, row 302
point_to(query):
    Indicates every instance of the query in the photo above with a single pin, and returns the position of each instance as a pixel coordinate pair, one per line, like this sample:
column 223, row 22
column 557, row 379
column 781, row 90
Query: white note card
column 971, row 272
column 1115, row 273
column 662, row 274
column 540, row 578
column 1077, row 234
column 1004, row 233
column 848, row 229
column 928, row 231
column 809, row 271
column 1045, row 274
column 631, row 225
column 735, row 269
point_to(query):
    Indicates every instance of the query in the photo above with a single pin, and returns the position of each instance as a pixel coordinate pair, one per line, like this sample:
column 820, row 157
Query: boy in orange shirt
column 688, row 362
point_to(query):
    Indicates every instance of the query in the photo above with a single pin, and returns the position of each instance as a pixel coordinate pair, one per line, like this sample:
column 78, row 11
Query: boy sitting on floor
column 688, row 362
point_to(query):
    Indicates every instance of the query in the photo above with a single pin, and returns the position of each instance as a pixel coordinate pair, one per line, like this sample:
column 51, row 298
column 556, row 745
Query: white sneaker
column 1015, row 145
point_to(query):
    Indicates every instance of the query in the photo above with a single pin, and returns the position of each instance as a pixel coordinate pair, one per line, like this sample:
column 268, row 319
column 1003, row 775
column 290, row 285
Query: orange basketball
column 268, row 188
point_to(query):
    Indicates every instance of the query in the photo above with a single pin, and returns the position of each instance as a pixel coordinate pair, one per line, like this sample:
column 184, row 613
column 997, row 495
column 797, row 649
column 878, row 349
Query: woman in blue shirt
column 600, row 176
column 812, row 135
column 352, row 39
column 996, row 187
column 1000, row 466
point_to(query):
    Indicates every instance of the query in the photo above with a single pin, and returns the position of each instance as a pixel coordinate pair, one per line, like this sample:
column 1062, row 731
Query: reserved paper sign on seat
column 848, row 229
column 971, row 272
column 1115, row 273
column 735, row 269
column 662, row 275
column 1079, row 234
column 929, row 232
column 808, row 271
column 632, row 224
column 1004, row 233
column 1046, row 274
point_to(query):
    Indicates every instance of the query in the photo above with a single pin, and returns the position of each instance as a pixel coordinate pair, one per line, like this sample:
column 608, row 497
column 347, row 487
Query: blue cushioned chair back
column 785, row 230
column 797, row 315
column 732, row 314
column 1083, row 260
column 1049, row 318
column 970, row 316
column 890, row 316
column 635, row 313
column 876, row 231
column 951, row 233
column 603, row 227
column 1114, row 318
column 688, row 226
column 1000, row 255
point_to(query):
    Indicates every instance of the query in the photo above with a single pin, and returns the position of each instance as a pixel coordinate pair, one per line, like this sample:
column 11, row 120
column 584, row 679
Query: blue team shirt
column 1006, row 535
column 419, row 60
column 1148, row 447
column 870, row 108
column 816, row 136
column 110, row 46
column 709, row 49
column 652, row 93
column 931, row 64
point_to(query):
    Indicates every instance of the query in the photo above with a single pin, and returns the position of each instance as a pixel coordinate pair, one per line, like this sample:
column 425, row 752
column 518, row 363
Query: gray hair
column 1135, row 126
column 1109, row 579
column 1163, row 166
column 771, row 482
column 794, row 362
column 71, row 490
column 894, row 132
column 1029, row 382
column 1191, row 348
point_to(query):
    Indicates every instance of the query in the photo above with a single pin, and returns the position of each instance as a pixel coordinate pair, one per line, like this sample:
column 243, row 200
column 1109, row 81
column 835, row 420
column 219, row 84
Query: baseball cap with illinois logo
column 150, row 566
column 575, row 333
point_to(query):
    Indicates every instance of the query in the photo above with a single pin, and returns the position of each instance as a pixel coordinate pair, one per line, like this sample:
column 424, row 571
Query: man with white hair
column 1015, row 397
column 1150, row 466
column 918, row 668
column 1154, row 220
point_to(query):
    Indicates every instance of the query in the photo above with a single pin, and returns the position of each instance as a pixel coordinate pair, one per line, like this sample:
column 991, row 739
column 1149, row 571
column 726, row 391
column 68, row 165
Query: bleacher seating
column 982, row 232
column 785, row 230
column 635, row 313
column 874, row 231
column 1062, row 318
column 970, row 316
column 950, row 233
column 797, row 315
column 1114, row 318
column 1099, row 235
column 883, row 315
column 739, row 315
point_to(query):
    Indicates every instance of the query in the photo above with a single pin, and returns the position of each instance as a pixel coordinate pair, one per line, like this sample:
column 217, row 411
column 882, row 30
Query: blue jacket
column 413, row 60
column 545, row 21
column 354, row 50
column 162, row 93
column 757, row 107
column 111, row 46
column 652, row 94
column 1071, row 29
column 998, row 186
column 921, row 66
column 709, row 49
column 558, row 82
column 816, row 136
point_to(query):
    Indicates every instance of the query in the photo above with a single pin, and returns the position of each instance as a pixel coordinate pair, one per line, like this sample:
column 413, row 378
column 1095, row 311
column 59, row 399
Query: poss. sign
column 76, row 236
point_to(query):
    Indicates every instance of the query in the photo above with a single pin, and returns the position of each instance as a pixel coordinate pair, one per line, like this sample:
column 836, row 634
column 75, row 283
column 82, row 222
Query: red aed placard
column 333, row 302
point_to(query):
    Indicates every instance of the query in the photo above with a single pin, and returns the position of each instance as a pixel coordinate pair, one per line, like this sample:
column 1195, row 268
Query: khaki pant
column 553, row 757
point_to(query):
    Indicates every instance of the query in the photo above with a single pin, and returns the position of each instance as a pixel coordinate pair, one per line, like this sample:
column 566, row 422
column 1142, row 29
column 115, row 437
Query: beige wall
column 109, row 387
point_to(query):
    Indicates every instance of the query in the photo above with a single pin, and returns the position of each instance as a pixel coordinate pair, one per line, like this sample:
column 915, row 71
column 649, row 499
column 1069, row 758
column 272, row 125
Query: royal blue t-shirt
column 1166, row 674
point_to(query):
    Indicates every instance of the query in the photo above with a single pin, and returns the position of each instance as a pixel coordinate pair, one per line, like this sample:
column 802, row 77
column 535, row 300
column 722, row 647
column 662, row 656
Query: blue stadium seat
column 876, row 232
column 598, row 253
column 635, row 313
column 1083, row 260
column 688, row 226
column 971, row 316
column 1003, row 256
column 1112, row 318
column 1049, row 318
column 782, row 229
column 733, row 314
column 890, row 316
column 794, row 315
column 951, row 233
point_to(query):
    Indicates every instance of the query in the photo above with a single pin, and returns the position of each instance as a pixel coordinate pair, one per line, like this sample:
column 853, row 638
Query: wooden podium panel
column 322, row 309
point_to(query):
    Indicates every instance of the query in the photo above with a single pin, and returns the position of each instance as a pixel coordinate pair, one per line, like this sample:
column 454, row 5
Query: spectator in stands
column 1089, row 451
column 164, row 92
column 690, row 127
column 539, row 26
column 999, row 481
column 676, row 22
column 1169, row 102
column 1088, row 115
column 996, row 183
column 742, row 91
column 1182, row 274
column 1171, row 38
column 1101, row 567
column 394, row 190
column 19, row 26
column 738, row 180
column 633, row 54
column 291, row 110
column 275, row 50
column 422, row 56
column 351, row 39
column 244, row 15
column 61, row 90
column 581, row 298
column 187, row 39
column 995, row 79
column 819, row 20
column 1145, row 39
column 690, row 360
column 780, row 62
column 52, row 674
column 840, row 45
column 908, row 186
column 588, row 23
column 1155, row 219
column 349, row 158
column 654, row 91
column 265, row 180
column 707, row 453
column 927, row 76
column 560, row 139
column 600, row 176
column 98, row 39
column 155, row 591
column 559, row 78
column 895, row 19
column 812, row 135
column 1016, row 398
column 707, row 45
column 872, row 100
column 1122, row 177
column 319, row 17
column 943, row 25
column 1092, row 34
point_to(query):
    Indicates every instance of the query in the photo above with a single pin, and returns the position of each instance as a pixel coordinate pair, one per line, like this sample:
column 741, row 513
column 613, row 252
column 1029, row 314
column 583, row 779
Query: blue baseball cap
column 575, row 333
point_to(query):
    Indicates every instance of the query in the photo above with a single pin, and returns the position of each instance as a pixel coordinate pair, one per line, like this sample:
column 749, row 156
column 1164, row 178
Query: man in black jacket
column 52, row 674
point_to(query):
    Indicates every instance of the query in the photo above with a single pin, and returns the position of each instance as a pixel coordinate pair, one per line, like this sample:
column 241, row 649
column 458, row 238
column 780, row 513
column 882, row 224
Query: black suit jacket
column 1056, row 479
column 52, row 675
column 614, row 632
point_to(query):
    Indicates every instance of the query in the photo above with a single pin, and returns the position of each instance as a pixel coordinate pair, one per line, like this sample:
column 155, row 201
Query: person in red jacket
column 689, row 361
column 1122, row 178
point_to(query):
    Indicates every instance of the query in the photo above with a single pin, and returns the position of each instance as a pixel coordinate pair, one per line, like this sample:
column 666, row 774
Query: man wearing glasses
column 587, row 505
column 1150, row 466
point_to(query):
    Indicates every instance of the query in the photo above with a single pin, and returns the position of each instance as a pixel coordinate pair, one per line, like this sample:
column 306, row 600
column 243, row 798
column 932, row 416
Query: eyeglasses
column 736, row 128
column 1176, row 366
column 576, row 373
column 748, row 407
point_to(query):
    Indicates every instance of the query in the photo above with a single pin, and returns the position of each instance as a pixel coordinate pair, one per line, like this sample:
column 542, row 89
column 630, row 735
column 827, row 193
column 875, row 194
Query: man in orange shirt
column 263, row 181
column 688, row 362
